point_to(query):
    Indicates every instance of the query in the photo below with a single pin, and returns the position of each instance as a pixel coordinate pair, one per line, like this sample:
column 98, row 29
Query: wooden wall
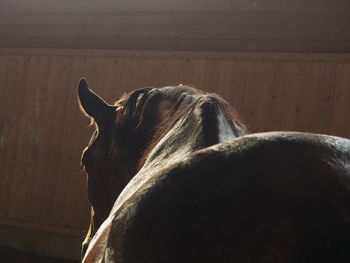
column 205, row 25
column 42, row 132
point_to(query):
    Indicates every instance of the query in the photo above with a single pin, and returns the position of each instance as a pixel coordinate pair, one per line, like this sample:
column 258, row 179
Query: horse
column 175, row 176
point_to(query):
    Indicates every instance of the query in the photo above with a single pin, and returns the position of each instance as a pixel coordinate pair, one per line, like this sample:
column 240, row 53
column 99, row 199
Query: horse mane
column 134, row 113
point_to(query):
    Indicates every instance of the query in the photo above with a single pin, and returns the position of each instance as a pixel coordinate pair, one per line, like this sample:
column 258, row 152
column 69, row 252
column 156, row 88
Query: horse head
column 145, row 128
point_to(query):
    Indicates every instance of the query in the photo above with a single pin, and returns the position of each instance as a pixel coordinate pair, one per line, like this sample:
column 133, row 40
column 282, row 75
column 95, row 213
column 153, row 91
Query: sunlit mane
column 132, row 112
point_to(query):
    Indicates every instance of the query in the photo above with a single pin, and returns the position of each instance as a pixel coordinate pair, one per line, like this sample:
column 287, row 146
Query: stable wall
column 42, row 132
column 200, row 25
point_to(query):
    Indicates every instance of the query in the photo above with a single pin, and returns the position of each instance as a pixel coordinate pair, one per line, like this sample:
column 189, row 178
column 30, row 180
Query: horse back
column 272, row 197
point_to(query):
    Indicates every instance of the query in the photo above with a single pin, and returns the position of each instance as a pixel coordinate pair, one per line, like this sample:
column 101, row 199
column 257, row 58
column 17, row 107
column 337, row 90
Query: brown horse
column 172, row 177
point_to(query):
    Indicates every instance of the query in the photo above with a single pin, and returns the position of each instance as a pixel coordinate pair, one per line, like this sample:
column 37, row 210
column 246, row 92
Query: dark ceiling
column 205, row 25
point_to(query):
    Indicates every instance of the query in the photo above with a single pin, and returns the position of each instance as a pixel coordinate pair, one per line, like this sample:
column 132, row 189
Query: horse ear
column 92, row 104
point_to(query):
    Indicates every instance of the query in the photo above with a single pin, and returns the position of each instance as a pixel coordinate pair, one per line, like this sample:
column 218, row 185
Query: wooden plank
column 52, row 137
column 57, row 111
column 313, row 107
column 27, row 152
column 108, row 5
column 59, row 180
column 114, row 85
column 4, row 136
column 340, row 124
column 283, row 97
column 162, row 44
column 168, row 5
column 146, row 19
column 39, row 69
column 274, row 32
column 258, row 94
column 323, row 97
column 175, row 55
column 172, row 75
column 14, row 178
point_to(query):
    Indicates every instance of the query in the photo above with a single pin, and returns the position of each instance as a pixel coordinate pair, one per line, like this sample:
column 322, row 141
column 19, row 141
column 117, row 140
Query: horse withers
column 173, row 176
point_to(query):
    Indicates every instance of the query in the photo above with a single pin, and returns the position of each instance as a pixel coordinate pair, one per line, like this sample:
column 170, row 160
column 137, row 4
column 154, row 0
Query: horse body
column 199, row 191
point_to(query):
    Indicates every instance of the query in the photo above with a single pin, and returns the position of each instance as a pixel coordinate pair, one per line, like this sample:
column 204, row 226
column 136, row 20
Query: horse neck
column 203, row 126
